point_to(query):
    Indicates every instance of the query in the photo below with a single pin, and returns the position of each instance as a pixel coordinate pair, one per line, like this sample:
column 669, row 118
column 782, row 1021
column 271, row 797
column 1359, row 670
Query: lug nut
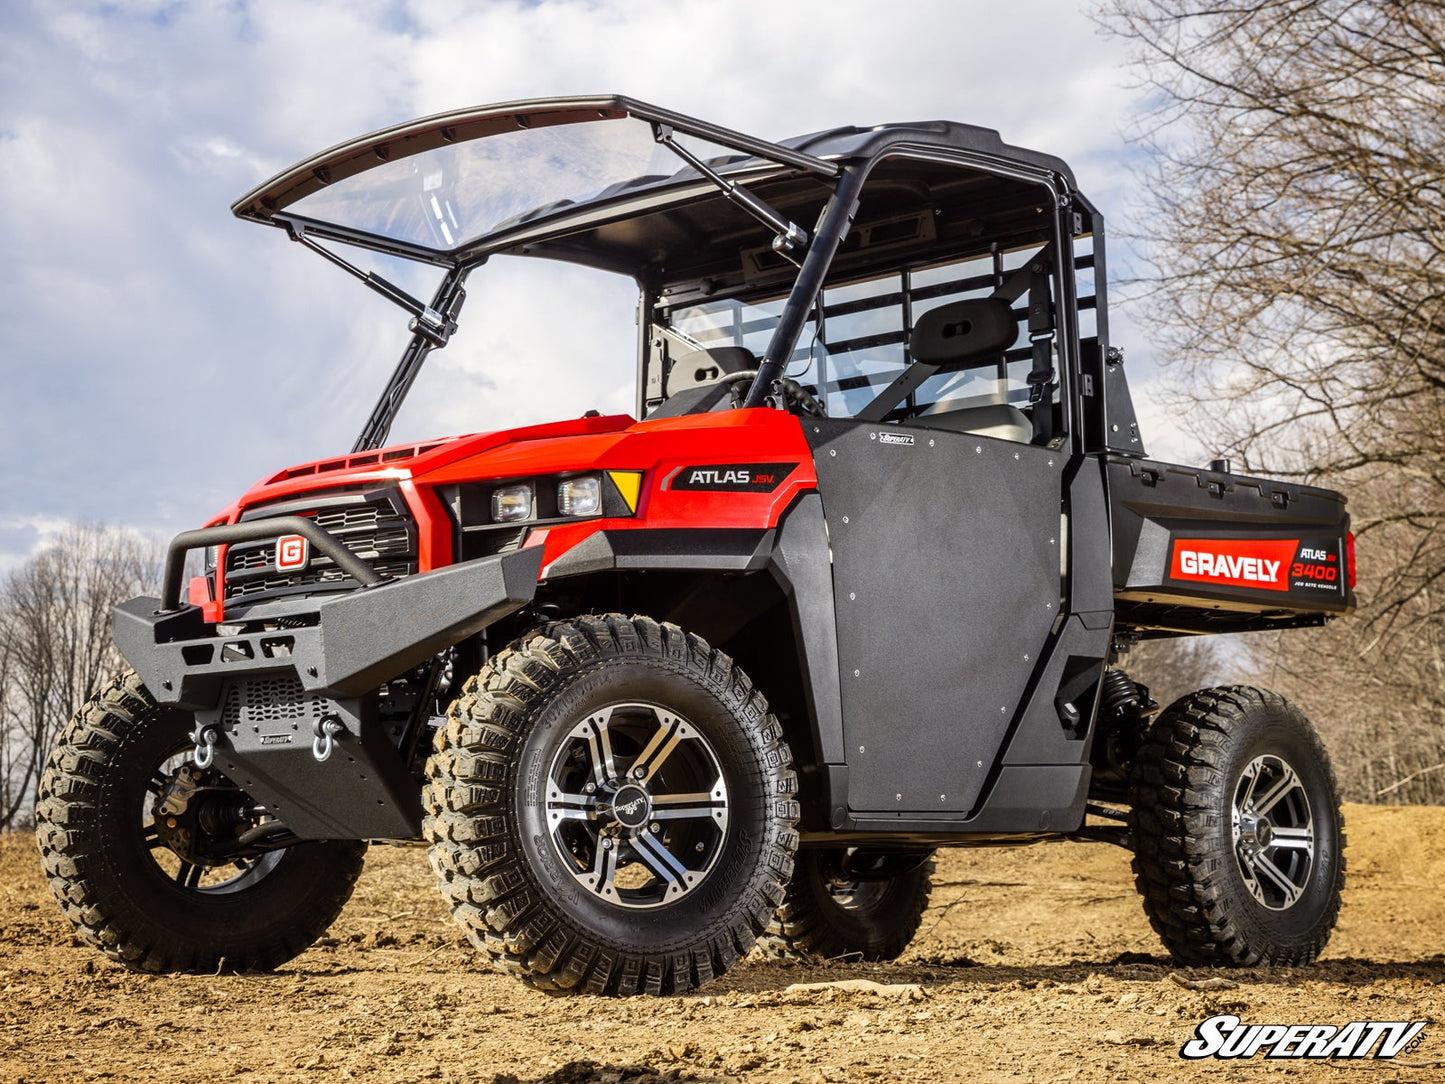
column 655, row 827
column 638, row 772
column 590, row 788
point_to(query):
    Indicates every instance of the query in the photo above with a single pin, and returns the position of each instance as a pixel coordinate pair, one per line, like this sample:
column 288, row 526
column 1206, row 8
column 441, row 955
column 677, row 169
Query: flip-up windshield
column 443, row 183
column 450, row 196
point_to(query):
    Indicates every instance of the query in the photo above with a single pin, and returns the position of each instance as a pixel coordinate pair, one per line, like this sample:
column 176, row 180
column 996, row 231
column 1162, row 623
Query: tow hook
column 204, row 740
column 326, row 730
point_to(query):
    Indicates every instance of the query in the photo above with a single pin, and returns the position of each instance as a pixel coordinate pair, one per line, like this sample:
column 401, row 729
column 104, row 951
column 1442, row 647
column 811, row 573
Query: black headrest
column 697, row 367
column 963, row 331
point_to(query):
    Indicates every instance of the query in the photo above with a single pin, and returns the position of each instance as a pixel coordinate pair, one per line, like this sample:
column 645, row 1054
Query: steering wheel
column 793, row 392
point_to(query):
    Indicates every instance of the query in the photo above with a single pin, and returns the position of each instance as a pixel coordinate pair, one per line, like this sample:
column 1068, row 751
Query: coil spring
column 1119, row 695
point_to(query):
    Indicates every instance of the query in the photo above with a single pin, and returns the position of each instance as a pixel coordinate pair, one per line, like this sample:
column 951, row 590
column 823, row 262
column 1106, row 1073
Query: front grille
column 375, row 526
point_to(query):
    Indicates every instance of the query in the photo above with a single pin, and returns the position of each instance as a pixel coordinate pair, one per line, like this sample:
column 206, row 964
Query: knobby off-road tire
column 104, row 860
column 1237, row 833
column 611, row 809
column 825, row 913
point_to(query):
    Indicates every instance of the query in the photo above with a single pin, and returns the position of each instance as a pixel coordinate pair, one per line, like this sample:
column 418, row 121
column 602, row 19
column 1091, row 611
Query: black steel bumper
column 291, row 711
column 348, row 644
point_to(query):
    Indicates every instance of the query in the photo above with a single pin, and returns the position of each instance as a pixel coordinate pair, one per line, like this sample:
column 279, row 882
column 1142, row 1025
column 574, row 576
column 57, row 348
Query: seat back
column 964, row 334
column 695, row 368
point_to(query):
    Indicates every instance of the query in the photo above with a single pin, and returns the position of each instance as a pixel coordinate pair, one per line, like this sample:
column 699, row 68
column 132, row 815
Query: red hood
column 406, row 461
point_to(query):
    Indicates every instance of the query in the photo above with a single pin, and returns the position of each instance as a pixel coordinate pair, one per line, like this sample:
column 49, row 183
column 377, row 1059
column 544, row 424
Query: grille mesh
column 379, row 531
column 270, row 700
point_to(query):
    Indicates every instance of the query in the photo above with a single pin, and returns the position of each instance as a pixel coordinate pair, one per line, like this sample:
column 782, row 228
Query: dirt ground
column 1034, row 964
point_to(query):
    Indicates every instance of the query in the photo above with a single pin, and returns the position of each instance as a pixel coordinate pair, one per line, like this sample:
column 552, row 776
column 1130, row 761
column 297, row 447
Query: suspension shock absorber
column 1125, row 709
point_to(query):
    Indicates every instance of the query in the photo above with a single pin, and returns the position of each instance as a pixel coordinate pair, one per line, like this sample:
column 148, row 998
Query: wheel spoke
column 599, row 745
column 189, row 876
column 1297, row 839
column 659, row 747
column 655, row 856
column 604, row 870
column 1288, row 781
column 694, row 806
column 1253, row 773
column 1262, row 864
column 562, row 806
column 158, row 781
column 150, row 835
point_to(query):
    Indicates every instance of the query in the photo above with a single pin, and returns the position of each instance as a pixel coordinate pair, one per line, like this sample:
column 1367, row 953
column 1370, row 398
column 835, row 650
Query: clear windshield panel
column 452, row 195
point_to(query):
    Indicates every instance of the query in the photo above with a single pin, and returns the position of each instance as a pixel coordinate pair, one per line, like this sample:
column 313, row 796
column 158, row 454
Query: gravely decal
column 1258, row 564
column 732, row 477
column 1277, row 564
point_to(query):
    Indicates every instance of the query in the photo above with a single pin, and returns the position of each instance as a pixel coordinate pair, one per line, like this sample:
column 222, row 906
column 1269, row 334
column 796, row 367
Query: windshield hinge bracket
column 789, row 239
column 431, row 325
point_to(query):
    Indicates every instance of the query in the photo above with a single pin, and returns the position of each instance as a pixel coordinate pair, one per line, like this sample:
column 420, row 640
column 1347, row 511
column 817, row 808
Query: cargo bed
column 1199, row 551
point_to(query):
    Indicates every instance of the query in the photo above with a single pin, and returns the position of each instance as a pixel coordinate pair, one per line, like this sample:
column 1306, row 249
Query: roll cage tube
column 832, row 227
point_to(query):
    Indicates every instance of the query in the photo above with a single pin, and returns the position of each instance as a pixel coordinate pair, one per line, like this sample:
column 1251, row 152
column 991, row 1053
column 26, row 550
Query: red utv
column 852, row 585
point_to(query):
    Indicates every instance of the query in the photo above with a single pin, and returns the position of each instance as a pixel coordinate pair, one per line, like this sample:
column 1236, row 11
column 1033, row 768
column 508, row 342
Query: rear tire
column 130, row 894
column 1237, row 833
column 825, row 913
column 610, row 809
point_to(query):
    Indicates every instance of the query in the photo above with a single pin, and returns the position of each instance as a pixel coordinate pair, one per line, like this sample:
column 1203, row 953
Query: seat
column 694, row 368
column 694, row 383
column 970, row 334
column 999, row 420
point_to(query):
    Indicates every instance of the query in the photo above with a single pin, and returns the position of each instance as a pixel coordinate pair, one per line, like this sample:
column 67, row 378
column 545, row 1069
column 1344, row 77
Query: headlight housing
column 511, row 503
column 579, row 496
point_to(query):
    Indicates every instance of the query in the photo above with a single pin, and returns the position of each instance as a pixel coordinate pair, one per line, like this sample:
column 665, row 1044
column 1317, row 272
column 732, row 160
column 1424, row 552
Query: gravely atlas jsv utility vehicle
column 853, row 585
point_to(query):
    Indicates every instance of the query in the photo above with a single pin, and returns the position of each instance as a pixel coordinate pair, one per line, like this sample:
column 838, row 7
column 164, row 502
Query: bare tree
column 1177, row 667
column 55, row 643
column 1295, row 278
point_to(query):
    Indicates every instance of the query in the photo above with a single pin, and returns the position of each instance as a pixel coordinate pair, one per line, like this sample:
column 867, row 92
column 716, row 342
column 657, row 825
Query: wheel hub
column 631, row 807
column 188, row 814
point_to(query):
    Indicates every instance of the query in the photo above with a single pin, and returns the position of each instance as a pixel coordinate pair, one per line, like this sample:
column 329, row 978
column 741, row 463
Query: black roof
column 861, row 144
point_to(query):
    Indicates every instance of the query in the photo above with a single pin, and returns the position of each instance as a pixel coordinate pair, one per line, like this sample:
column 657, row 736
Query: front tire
column 139, row 888
column 1237, row 832
column 611, row 808
column 834, row 914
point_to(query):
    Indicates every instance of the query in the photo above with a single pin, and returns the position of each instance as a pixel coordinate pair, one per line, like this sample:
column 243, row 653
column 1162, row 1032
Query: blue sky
column 159, row 356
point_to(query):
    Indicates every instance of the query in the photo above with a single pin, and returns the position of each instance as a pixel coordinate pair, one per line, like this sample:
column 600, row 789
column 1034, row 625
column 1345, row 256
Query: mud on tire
column 575, row 823
column 104, row 862
column 827, row 914
column 1237, row 833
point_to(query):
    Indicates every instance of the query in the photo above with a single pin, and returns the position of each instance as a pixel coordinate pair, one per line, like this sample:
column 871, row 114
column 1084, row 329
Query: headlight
column 579, row 496
column 210, row 554
column 511, row 503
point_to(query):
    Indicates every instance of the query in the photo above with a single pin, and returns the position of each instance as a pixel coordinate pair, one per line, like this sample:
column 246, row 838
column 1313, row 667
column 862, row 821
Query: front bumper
column 273, row 699
column 341, row 645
